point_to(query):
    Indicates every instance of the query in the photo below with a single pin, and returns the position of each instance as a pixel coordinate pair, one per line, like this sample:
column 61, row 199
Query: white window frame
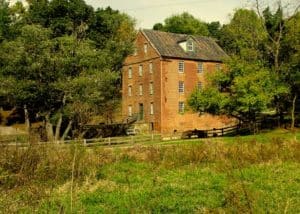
column 145, row 48
column 151, row 89
column 181, row 87
column 200, row 67
column 150, row 67
column 130, row 110
column 135, row 52
column 129, row 72
column 140, row 70
column 181, row 107
column 190, row 45
column 151, row 108
column 141, row 90
column 181, row 66
column 129, row 90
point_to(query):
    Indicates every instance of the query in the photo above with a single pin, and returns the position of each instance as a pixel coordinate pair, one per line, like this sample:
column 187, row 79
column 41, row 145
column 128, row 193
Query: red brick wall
column 172, row 119
column 134, row 61
column 165, row 78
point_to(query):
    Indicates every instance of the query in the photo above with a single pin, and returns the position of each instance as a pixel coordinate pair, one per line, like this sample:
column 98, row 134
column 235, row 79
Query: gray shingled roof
column 167, row 45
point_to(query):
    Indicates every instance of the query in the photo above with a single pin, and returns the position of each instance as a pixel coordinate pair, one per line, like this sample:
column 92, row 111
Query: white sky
column 149, row 12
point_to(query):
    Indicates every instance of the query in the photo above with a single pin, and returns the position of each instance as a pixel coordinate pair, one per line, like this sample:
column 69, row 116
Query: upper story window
column 135, row 51
column 190, row 45
column 218, row 67
column 151, row 108
column 181, row 107
column 150, row 67
column 140, row 70
column 181, row 87
column 130, row 72
column 200, row 67
column 140, row 89
column 130, row 111
column 145, row 48
column 151, row 88
column 181, row 66
column 200, row 86
column 130, row 90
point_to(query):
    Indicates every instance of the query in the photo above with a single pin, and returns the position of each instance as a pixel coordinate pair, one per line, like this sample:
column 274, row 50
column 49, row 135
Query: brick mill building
column 160, row 76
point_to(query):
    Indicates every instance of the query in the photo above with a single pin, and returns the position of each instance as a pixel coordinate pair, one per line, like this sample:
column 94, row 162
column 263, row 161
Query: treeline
column 60, row 61
column 262, row 72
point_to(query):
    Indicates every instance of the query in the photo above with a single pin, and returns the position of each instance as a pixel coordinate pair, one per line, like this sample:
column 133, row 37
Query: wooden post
column 222, row 132
column 84, row 142
column 109, row 141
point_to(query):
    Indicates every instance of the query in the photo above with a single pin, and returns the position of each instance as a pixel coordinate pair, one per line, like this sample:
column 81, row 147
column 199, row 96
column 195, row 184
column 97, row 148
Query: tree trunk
column 293, row 112
column 49, row 129
column 27, row 121
column 58, row 126
column 65, row 134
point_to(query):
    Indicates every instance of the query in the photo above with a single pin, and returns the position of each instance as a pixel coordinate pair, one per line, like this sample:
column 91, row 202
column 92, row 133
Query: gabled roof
column 167, row 44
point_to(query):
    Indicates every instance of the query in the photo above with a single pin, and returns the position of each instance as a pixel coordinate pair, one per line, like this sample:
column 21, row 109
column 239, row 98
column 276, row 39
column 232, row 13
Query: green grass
column 248, row 174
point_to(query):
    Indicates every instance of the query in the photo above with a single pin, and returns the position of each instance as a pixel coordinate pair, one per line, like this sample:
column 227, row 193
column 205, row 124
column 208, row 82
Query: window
column 130, row 72
column 145, row 48
column 141, row 111
column 218, row 66
column 130, row 111
column 200, row 86
column 135, row 52
column 190, row 45
column 181, row 107
column 200, row 67
column 141, row 70
column 181, row 87
column 151, row 108
column 140, row 89
column 151, row 88
column 130, row 90
column 181, row 66
column 150, row 68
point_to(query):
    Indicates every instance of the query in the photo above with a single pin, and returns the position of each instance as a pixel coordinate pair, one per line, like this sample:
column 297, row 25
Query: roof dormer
column 188, row 45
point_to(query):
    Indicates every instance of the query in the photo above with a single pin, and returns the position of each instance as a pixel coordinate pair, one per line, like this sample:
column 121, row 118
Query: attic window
column 190, row 45
column 145, row 48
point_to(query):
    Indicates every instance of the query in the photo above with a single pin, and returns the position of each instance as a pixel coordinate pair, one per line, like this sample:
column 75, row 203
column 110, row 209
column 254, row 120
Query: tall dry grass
column 33, row 173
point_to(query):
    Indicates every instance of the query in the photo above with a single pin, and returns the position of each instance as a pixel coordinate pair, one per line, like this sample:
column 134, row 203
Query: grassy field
column 250, row 174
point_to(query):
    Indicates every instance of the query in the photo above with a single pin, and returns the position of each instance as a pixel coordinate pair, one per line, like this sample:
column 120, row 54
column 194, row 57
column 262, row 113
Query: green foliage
column 5, row 19
column 184, row 23
column 208, row 100
column 246, row 89
column 244, row 35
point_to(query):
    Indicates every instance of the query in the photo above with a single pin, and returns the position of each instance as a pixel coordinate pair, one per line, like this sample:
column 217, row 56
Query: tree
column 113, row 33
column 5, row 20
column 247, row 89
column 244, row 36
column 291, row 62
column 184, row 23
column 214, row 29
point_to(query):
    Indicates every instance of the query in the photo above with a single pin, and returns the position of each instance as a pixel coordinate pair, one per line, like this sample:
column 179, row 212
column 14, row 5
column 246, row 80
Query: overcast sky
column 149, row 12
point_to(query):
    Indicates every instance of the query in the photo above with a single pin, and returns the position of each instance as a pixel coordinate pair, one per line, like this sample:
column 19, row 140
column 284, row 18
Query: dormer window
column 190, row 45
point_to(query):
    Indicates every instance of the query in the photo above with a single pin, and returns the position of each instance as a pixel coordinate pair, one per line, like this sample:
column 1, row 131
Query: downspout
column 161, row 94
